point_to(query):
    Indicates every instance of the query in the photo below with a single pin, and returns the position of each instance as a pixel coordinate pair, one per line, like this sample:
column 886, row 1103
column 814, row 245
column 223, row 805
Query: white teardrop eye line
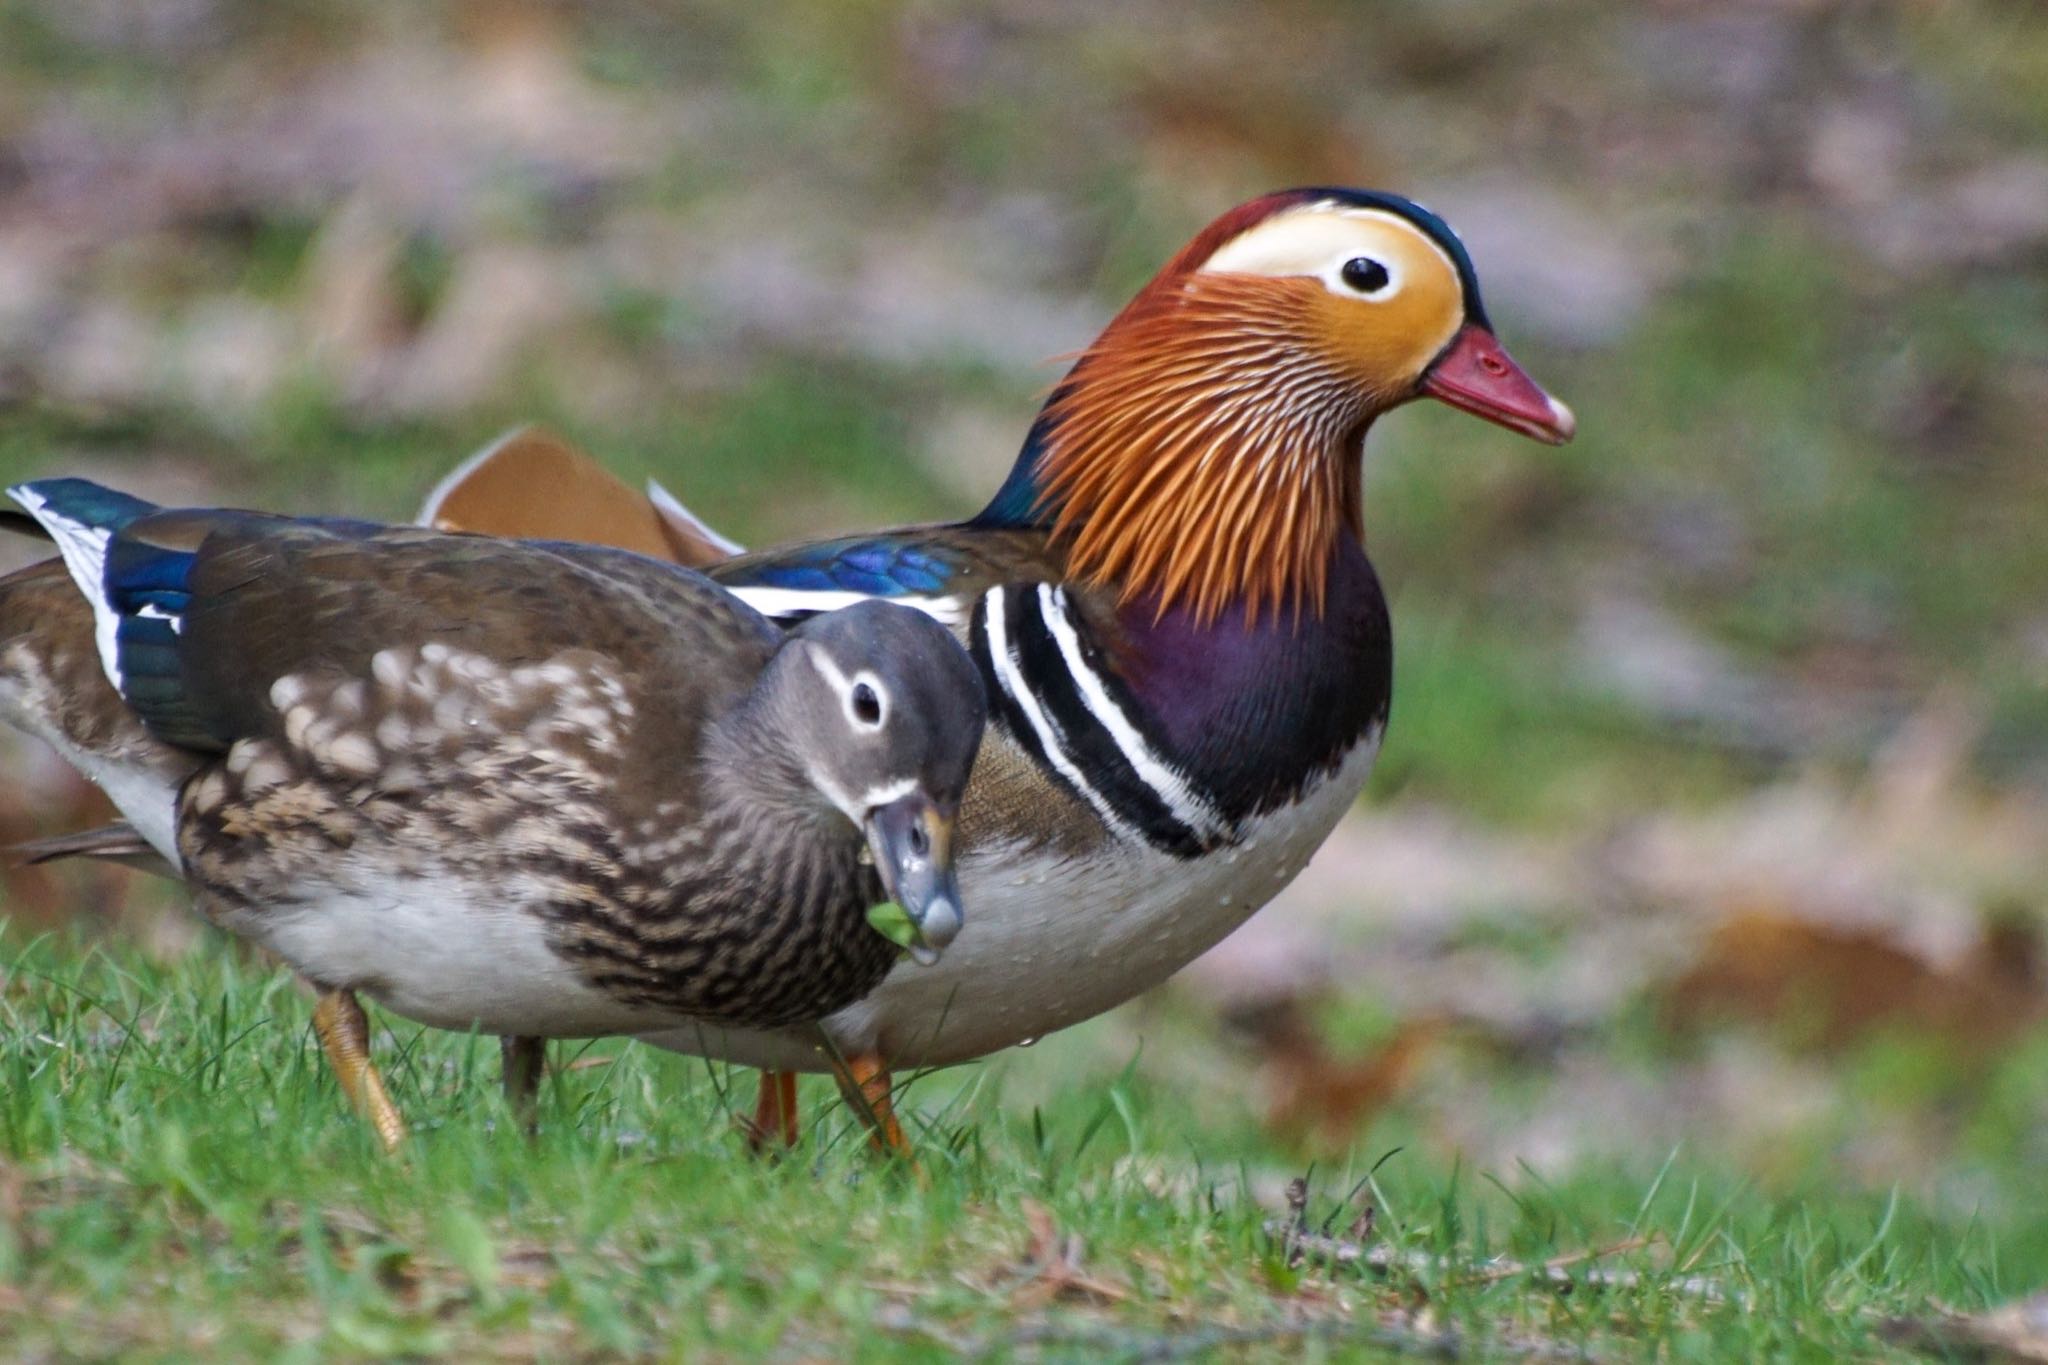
column 862, row 695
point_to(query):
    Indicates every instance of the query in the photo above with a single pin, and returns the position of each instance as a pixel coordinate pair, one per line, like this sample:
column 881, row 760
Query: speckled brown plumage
column 695, row 904
column 392, row 746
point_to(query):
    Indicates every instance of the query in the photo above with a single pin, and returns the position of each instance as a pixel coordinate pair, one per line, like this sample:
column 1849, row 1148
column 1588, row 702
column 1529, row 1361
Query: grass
column 178, row 1175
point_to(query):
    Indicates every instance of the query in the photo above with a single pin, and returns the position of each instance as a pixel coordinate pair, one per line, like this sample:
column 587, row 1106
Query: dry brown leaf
column 1829, row 986
column 1320, row 1101
column 1052, row 1264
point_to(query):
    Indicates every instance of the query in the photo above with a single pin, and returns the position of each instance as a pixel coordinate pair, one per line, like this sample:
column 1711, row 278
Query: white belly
column 1049, row 942
column 452, row 953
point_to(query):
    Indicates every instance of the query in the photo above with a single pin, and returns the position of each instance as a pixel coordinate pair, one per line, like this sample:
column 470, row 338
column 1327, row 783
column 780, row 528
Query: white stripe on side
column 1155, row 772
column 85, row 554
column 1011, row 676
column 949, row 612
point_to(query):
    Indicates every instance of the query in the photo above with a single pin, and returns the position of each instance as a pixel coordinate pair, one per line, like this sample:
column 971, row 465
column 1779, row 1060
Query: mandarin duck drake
column 1187, row 653
column 543, row 789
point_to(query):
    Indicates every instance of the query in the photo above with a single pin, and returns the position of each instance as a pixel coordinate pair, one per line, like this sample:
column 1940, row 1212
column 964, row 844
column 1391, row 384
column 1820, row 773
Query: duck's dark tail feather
column 22, row 524
column 115, row 843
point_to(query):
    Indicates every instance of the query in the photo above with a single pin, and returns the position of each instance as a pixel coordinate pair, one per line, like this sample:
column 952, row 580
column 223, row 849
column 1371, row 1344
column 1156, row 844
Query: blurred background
column 1714, row 812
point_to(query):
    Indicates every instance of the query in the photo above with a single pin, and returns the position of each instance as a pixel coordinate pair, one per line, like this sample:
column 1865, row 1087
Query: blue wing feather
column 139, row 594
column 871, row 566
column 83, row 503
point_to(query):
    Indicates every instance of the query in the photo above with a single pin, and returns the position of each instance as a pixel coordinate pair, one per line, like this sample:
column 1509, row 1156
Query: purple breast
column 1253, row 713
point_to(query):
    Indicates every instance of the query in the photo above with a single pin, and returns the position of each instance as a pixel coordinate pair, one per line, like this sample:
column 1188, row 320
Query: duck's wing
column 940, row 570
column 531, row 483
column 52, row 686
column 201, row 616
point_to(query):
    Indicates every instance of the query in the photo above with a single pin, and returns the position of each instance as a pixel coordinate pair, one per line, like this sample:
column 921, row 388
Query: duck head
column 1203, row 451
column 887, row 712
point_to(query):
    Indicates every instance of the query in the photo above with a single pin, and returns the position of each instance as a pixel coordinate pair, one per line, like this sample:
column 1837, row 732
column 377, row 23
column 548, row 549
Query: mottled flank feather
column 1188, row 458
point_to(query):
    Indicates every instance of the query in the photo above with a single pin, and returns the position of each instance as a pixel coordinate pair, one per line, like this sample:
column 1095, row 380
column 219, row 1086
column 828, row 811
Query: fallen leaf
column 1827, row 986
column 1052, row 1265
column 1318, row 1100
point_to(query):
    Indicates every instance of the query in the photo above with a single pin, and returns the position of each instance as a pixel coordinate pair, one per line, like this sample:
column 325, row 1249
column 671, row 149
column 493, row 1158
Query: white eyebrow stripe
column 1308, row 241
column 828, row 668
column 844, row 685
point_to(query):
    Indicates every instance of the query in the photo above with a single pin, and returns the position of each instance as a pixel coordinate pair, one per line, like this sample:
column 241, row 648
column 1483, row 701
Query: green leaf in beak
column 891, row 922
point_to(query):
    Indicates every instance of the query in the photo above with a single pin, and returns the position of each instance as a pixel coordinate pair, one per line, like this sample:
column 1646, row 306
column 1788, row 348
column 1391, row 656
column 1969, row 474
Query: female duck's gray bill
column 912, row 841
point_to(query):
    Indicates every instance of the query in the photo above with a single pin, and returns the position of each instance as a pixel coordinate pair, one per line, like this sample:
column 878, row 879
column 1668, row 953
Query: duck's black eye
column 1365, row 274
column 867, row 707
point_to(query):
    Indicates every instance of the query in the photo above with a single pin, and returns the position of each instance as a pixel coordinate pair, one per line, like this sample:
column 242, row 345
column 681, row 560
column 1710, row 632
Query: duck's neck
column 758, row 788
column 1177, row 730
column 1020, row 503
column 1199, row 456
column 774, row 880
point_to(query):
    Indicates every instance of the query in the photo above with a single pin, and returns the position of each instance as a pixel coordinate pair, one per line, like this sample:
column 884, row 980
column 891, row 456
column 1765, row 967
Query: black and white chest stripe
column 1046, row 685
column 1047, row 690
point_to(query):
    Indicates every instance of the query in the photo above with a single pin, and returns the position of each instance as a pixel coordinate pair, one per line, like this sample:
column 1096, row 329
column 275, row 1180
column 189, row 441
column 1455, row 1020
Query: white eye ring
column 863, row 697
column 867, row 703
column 1336, row 277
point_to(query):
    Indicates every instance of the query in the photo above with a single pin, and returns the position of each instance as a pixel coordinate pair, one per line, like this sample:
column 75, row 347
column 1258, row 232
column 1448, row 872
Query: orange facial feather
column 1203, row 450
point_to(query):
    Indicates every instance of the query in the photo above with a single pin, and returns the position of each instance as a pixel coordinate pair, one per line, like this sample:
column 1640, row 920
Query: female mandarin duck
column 1186, row 650
column 535, row 788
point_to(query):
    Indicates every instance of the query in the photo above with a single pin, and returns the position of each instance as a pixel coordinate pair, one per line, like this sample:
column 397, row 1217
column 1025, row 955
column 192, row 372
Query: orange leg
column 867, row 1083
column 345, row 1034
column 774, row 1118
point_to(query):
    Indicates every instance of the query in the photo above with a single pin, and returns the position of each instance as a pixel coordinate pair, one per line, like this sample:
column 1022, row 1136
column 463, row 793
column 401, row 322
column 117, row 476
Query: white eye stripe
column 847, row 687
column 1330, row 271
column 1319, row 239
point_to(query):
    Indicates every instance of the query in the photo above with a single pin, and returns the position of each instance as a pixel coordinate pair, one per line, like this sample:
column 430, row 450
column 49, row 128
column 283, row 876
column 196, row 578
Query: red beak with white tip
column 1477, row 375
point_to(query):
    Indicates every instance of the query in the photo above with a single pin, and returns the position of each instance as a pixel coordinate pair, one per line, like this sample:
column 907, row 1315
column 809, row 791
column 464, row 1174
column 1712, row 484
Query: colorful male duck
column 542, row 789
column 1187, row 652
